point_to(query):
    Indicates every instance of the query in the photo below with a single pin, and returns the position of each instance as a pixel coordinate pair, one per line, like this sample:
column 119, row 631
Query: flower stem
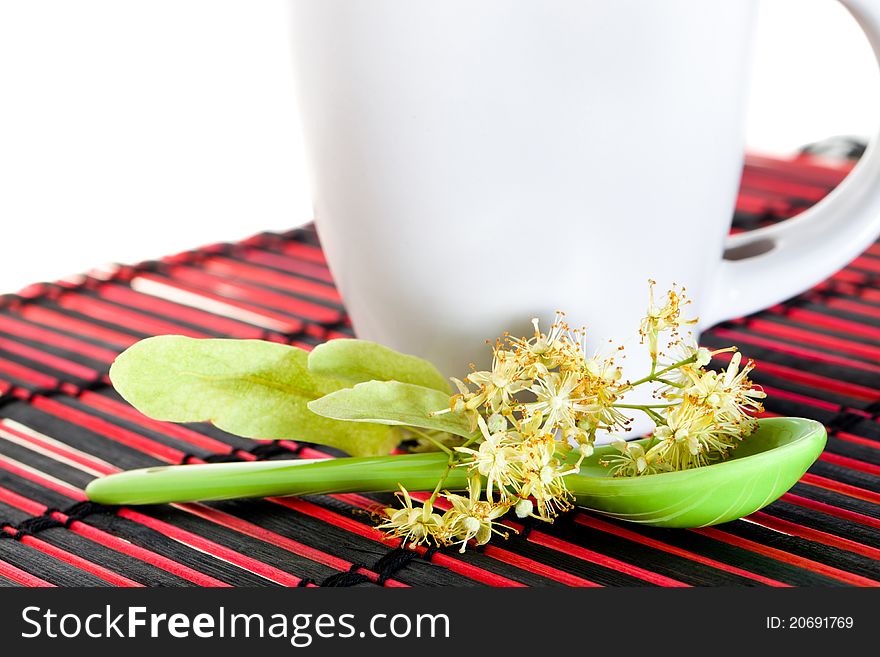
column 675, row 366
column 442, row 480
column 648, row 409
column 655, row 375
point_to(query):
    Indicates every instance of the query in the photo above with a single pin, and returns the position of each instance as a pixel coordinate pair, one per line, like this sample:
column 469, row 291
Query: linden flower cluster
column 536, row 413
column 706, row 413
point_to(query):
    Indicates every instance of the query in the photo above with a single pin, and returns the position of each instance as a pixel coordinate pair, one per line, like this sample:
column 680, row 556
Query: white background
column 131, row 129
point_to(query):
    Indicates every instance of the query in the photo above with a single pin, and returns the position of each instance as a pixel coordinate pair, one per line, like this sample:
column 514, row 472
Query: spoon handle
column 762, row 469
column 221, row 481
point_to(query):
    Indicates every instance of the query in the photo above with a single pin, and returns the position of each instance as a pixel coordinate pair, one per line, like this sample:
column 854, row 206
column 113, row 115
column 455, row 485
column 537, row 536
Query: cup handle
column 771, row 264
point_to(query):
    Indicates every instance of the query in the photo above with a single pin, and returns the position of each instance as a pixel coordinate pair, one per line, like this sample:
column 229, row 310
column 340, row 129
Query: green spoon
column 766, row 465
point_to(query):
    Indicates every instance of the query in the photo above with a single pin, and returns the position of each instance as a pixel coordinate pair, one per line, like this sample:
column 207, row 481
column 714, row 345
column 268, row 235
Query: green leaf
column 361, row 360
column 247, row 387
column 395, row 403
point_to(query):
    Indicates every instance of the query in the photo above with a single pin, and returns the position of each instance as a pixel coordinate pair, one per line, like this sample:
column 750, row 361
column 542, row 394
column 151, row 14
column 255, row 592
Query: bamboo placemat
column 61, row 425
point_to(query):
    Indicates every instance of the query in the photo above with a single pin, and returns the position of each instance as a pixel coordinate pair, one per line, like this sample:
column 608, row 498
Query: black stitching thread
column 869, row 281
column 45, row 520
column 844, row 421
column 8, row 397
column 349, row 578
column 229, row 457
column 874, row 409
column 395, row 560
column 261, row 452
column 82, row 510
column 62, row 387
column 46, row 391
column 35, row 525
column 92, row 385
column 386, row 566
column 269, row 450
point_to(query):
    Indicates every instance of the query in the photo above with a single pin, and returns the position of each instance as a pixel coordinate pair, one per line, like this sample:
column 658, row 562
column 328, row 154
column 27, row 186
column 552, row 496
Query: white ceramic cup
column 477, row 164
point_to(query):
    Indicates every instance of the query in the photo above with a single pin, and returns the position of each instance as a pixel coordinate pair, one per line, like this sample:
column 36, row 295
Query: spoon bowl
column 762, row 468
column 766, row 465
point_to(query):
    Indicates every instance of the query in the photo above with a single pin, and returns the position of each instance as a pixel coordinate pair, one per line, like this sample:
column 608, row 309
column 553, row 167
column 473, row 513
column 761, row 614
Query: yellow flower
column 556, row 400
column 541, row 475
column 693, row 359
column 413, row 524
column 459, row 404
column 740, row 392
column 630, row 462
column 694, row 435
column 663, row 318
column 601, row 388
column 472, row 518
column 498, row 386
column 603, row 369
column 493, row 459
column 542, row 352
column 730, row 393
